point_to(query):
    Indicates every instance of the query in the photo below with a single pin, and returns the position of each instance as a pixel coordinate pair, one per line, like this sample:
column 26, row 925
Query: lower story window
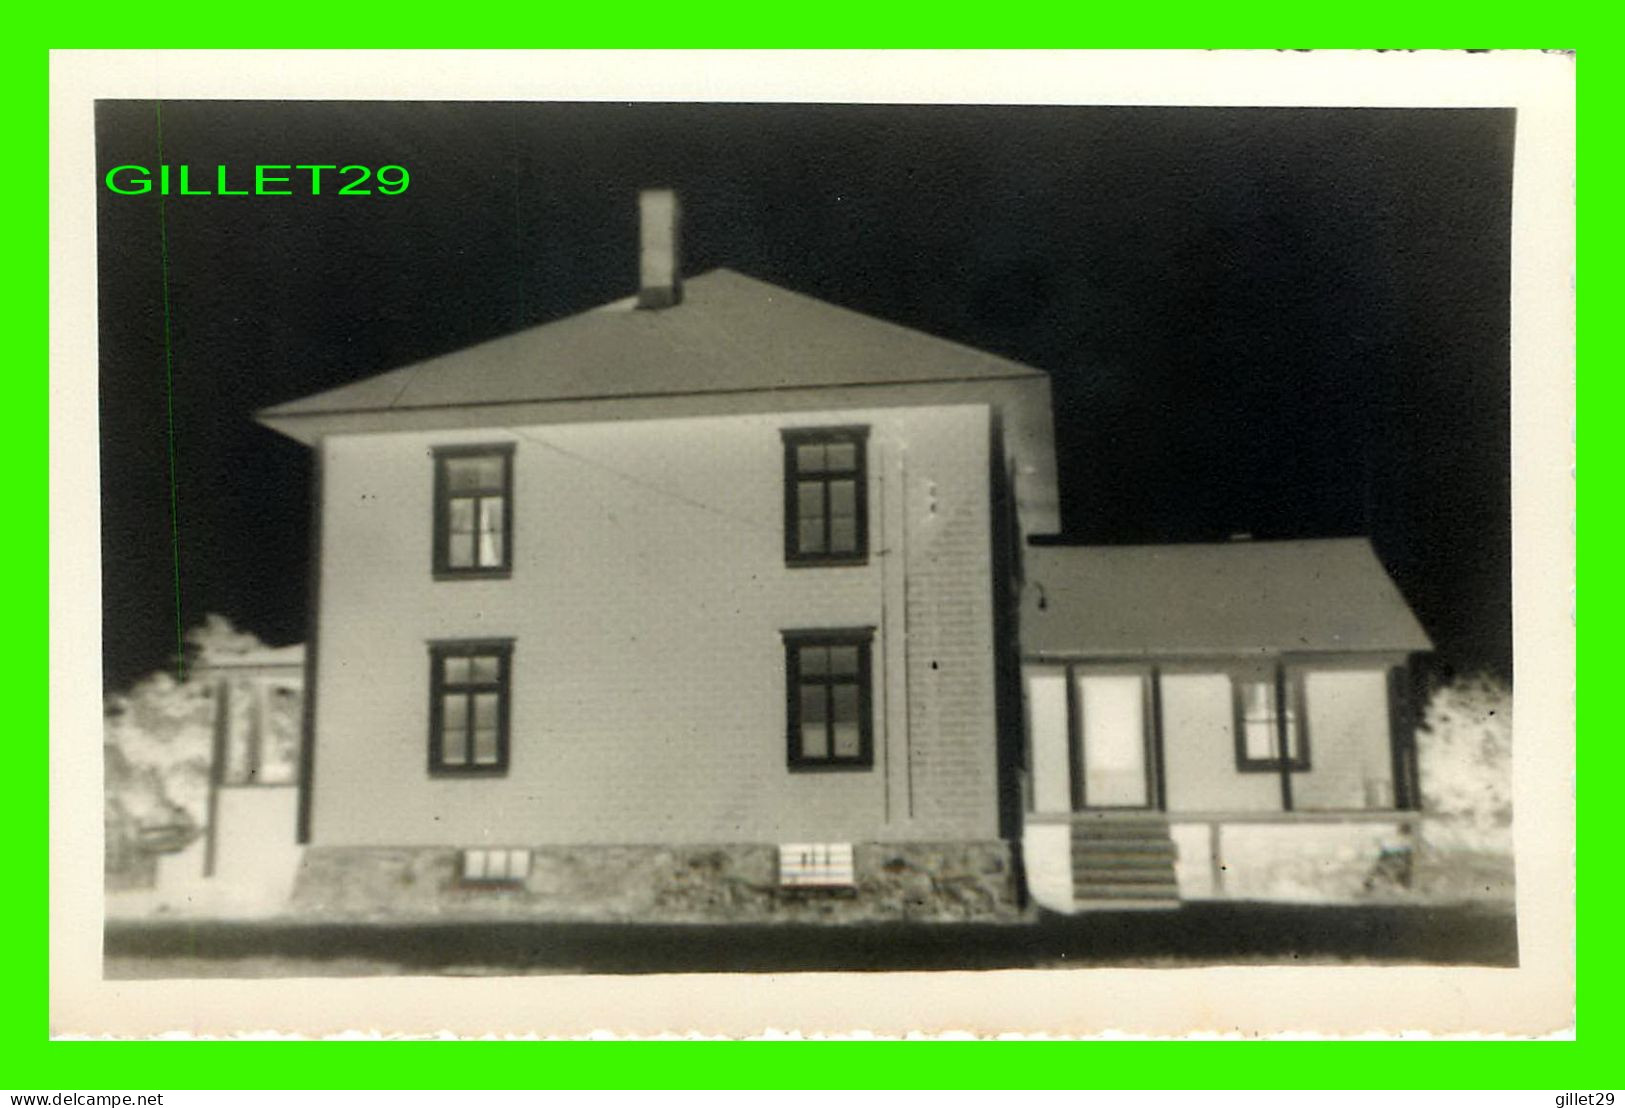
column 827, row 675
column 469, row 685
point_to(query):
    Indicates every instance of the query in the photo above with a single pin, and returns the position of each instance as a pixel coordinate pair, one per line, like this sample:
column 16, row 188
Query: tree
column 1464, row 751
column 158, row 740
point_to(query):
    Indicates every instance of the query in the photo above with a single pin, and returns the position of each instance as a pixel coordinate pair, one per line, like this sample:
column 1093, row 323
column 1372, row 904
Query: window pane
column 484, row 667
column 1260, row 700
column 847, row 743
column 812, row 704
column 810, row 536
column 485, row 710
column 460, row 551
column 480, row 474
column 491, row 531
column 810, row 499
column 814, row 661
column 843, row 498
column 453, row 746
column 810, row 458
column 814, row 740
column 454, row 712
column 846, row 704
column 460, row 514
column 485, row 746
column 843, row 660
column 496, row 865
column 843, row 456
column 457, row 671
column 1260, row 739
column 843, row 535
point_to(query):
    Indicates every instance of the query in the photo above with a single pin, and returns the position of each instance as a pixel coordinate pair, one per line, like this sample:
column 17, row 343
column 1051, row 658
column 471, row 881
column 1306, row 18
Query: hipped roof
column 730, row 333
column 1236, row 598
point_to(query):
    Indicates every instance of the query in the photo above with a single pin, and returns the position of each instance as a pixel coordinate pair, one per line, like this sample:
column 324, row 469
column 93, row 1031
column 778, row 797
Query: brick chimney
column 660, row 282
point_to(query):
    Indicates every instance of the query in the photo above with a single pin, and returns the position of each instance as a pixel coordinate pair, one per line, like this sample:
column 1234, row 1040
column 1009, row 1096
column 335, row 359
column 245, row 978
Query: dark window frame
column 858, row 436
column 443, row 569
column 439, row 651
column 794, row 641
column 1287, row 685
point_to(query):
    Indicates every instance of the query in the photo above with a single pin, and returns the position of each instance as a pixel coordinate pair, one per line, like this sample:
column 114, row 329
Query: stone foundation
column 927, row 882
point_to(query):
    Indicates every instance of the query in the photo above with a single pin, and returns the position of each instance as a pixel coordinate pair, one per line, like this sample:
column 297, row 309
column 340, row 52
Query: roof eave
column 308, row 426
column 1217, row 655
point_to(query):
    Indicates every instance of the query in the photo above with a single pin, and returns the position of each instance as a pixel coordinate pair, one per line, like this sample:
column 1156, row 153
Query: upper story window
column 1268, row 719
column 473, row 509
column 468, row 706
column 826, row 511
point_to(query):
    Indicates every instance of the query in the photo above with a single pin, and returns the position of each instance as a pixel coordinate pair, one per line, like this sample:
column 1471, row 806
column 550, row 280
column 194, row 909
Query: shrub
column 1464, row 754
column 157, row 742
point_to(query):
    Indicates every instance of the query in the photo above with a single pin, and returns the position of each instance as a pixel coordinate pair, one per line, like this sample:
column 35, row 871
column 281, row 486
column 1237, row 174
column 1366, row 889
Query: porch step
column 1137, row 875
column 1156, row 860
column 1122, row 862
column 1125, row 890
column 1150, row 848
column 1125, row 905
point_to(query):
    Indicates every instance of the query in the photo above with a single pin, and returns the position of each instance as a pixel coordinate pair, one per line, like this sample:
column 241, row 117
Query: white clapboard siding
column 815, row 865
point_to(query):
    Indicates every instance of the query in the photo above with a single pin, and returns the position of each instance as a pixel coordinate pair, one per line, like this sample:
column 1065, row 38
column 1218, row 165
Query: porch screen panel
column 1047, row 739
column 1350, row 761
column 1113, row 748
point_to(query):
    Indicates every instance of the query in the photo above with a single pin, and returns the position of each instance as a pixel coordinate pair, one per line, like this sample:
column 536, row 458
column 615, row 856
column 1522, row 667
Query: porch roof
column 1235, row 598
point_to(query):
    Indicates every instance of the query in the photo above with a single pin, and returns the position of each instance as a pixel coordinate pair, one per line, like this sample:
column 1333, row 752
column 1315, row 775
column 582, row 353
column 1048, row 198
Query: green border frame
column 35, row 1063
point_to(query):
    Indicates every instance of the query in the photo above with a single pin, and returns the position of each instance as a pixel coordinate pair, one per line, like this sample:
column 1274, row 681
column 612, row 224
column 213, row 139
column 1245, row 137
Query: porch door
column 1114, row 768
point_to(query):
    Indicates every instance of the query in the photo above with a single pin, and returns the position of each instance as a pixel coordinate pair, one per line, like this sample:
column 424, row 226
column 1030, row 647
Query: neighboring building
column 692, row 605
column 241, row 857
column 247, row 850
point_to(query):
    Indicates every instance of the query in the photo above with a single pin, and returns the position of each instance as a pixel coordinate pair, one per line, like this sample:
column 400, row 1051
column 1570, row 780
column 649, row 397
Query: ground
column 1195, row 934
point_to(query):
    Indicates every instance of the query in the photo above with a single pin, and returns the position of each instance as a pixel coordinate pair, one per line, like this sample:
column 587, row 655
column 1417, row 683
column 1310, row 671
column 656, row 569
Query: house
column 695, row 599
column 702, row 604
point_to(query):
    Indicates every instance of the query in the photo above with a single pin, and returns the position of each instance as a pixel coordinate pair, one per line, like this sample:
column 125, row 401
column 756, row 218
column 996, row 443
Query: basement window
column 495, row 867
column 816, row 866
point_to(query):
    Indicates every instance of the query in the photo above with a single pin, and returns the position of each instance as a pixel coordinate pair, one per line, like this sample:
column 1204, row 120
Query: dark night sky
column 1289, row 322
